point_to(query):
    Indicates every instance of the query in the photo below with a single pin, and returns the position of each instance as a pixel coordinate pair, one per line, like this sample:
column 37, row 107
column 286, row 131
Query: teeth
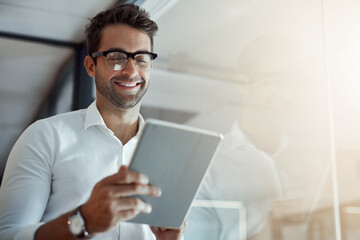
column 127, row 84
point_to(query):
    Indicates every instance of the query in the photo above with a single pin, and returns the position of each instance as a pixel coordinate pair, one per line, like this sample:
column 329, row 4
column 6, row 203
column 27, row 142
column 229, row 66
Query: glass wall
column 279, row 79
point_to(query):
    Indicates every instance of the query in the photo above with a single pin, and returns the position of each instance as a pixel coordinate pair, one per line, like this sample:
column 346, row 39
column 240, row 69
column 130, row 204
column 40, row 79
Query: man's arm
column 26, row 184
column 109, row 204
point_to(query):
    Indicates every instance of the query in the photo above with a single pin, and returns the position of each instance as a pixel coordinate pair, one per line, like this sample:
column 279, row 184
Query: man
column 65, row 177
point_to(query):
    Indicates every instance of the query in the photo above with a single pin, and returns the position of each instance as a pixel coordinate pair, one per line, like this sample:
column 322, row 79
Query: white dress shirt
column 53, row 168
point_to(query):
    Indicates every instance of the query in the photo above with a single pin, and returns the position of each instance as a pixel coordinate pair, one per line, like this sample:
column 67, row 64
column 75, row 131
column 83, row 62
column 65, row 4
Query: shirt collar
column 94, row 118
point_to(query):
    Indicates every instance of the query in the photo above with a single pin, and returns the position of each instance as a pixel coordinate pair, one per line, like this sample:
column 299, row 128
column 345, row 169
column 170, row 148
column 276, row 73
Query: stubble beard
column 121, row 100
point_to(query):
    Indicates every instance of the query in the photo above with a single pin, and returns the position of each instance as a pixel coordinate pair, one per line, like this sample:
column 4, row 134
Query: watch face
column 76, row 224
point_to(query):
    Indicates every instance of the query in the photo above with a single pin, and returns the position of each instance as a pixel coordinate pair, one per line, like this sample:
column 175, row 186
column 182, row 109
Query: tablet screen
column 175, row 158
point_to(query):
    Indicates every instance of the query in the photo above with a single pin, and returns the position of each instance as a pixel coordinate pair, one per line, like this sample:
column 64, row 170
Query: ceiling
column 57, row 20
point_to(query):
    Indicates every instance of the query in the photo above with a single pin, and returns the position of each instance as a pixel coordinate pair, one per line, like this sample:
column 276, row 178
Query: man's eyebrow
column 122, row 50
column 116, row 49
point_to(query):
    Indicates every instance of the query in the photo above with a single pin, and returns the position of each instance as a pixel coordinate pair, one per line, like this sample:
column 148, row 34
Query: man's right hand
column 112, row 200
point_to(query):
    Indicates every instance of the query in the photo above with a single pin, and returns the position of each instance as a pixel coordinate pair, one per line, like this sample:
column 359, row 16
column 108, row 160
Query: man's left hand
column 169, row 233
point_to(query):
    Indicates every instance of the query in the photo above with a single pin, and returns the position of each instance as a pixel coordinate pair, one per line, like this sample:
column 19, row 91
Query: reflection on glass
column 214, row 228
column 240, row 172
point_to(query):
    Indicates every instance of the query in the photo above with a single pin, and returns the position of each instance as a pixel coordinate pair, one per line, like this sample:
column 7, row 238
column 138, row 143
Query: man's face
column 122, row 88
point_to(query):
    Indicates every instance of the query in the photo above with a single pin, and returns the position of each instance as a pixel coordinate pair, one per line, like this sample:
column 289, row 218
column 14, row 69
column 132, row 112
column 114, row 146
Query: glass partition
column 279, row 79
column 232, row 227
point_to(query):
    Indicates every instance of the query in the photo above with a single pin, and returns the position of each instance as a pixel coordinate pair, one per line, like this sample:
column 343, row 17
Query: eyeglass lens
column 118, row 60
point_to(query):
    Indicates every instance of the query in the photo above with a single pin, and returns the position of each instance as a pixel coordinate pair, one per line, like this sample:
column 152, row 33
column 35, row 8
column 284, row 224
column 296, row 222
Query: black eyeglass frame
column 128, row 55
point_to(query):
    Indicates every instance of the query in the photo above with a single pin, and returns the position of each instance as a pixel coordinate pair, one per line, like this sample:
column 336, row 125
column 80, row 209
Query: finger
column 127, row 190
column 184, row 224
column 123, row 168
column 161, row 229
column 154, row 229
column 127, row 215
column 133, row 204
column 127, row 176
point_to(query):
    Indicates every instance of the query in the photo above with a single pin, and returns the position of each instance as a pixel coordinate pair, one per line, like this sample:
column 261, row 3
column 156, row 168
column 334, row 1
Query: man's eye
column 142, row 58
column 116, row 57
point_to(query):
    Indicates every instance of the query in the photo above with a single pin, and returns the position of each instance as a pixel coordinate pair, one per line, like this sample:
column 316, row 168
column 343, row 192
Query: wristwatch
column 76, row 224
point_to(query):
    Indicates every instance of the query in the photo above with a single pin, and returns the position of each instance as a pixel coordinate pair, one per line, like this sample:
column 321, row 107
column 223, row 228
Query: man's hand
column 111, row 200
column 169, row 233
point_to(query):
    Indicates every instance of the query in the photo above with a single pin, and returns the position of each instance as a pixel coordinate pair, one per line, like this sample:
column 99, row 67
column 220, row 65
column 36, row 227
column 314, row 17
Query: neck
column 123, row 122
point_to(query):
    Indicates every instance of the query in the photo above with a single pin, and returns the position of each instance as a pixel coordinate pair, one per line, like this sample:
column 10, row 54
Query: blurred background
column 278, row 78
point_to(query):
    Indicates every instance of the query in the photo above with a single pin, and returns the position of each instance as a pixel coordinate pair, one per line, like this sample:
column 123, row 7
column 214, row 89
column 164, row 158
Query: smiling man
column 66, row 177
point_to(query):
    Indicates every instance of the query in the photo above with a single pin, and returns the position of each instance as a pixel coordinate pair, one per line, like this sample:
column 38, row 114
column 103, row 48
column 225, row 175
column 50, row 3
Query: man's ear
column 89, row 66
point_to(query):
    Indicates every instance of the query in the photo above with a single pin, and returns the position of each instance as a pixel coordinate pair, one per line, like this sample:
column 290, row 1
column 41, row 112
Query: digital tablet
column 175, row 157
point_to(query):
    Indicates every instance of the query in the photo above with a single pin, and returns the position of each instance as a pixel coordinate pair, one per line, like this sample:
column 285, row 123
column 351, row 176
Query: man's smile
column 127, row 84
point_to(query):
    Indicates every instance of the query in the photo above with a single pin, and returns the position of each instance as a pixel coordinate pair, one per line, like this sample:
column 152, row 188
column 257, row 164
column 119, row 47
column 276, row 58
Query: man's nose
column 130, row 68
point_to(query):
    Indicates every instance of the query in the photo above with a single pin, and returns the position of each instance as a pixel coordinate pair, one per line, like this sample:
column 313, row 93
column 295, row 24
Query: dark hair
column 128, row 14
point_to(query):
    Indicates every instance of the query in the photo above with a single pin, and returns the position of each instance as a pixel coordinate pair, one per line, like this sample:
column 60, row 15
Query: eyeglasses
column 118, row 59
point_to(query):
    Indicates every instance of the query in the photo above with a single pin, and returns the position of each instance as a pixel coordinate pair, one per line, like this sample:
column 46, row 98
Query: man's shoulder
column 71, row 119
column 42, row 134
column 67, row 115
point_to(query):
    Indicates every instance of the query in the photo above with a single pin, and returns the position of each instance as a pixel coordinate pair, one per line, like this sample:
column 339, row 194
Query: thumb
column 123, row 168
